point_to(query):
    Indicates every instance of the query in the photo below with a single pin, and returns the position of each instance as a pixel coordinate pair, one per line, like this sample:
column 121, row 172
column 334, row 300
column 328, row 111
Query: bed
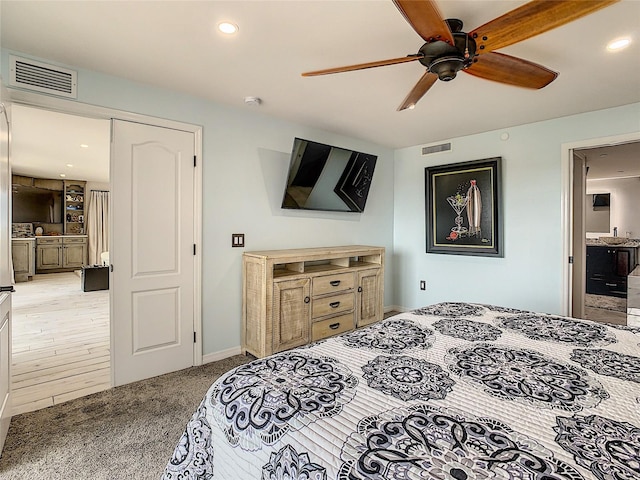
column 454, row 391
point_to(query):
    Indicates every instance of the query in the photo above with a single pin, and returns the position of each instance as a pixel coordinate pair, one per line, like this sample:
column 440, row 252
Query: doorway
column 195, row 193
column 604, row 227
column 60, row 340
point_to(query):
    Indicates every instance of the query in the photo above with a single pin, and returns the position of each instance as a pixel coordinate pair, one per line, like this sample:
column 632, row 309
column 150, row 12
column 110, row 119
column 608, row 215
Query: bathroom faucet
column 615, row 231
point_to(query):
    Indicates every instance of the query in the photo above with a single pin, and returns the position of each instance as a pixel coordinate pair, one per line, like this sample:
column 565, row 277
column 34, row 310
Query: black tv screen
column 325, row 177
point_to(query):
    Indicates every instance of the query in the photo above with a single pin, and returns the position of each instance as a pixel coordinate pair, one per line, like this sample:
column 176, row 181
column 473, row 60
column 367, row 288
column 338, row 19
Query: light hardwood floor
column 60, row 341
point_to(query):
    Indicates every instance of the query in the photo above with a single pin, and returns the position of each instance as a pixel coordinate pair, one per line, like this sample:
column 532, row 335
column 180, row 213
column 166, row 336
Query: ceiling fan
column 449, row 50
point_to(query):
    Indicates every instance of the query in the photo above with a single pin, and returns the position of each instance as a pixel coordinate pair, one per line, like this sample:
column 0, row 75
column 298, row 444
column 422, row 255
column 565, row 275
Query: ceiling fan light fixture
column 447, row 67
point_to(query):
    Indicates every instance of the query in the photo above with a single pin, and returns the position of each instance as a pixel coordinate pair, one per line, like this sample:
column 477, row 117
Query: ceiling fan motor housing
column 447, row 60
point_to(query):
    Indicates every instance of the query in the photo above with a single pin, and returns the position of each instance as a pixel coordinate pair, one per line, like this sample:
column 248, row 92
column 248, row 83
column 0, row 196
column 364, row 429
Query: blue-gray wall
column 245, row 162
column 530, row 276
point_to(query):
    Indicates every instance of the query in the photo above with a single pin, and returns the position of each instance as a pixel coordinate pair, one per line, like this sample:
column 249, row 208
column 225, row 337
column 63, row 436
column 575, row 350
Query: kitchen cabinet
column 294, row 297
column 23, row 254
column 48, row 254
column 60, row 253
column 74, row 252
column 607, row 269
column 74, row 203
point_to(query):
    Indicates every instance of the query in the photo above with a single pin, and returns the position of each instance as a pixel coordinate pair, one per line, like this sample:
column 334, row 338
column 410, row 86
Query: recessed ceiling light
column 618, row 44
column 62, row 175
column 228, row 28
column 70, row 165
column 84, row 145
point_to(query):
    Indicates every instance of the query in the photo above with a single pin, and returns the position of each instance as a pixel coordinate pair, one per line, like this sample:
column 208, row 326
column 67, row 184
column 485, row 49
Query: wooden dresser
column 293, row 297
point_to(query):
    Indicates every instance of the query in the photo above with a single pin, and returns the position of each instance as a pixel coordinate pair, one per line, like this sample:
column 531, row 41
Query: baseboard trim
column 221, row 355
column 395, row 308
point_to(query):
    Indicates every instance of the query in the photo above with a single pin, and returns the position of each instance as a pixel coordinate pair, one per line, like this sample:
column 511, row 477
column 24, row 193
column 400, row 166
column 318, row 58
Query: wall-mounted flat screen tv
column 325, row 177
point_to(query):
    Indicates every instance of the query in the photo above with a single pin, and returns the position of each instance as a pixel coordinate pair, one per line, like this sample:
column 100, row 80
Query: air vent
column 442, row 147
column 42, row 77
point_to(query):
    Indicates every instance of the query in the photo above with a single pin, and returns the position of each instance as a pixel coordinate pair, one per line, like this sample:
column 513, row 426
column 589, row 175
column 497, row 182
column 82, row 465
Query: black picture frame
column 464, row 208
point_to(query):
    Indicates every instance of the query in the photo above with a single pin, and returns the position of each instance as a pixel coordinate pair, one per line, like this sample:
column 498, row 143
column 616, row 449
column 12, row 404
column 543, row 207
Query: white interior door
column 6, row 277
column 152, row 251
column 579, row 249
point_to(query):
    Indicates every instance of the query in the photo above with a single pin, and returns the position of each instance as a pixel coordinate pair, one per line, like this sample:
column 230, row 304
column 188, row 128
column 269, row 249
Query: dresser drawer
column 331, row 326
column 331, row 305
column 332, row 283
column 49, row 240
column 69, row 240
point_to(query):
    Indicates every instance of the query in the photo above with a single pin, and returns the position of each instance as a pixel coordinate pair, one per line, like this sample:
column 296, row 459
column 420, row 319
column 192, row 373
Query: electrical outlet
column 423, row 285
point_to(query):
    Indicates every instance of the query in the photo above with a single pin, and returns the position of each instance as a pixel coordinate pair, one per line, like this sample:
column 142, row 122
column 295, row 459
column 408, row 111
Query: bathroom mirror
column 598, row 213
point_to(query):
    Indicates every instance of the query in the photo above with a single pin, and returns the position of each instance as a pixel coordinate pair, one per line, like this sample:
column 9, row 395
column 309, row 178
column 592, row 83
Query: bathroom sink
column 614, row 240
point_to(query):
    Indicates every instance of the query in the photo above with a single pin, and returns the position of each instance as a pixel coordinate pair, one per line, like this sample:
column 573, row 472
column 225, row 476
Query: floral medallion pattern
column 407, row 378
column 437, row 443
column 558, row 329
column 608, row 448
column 391, row 336
column 259, row 402
column 611, row 364
column 451, row 309
column 467, row 329
column 497, row 308
column 525, row 376
column 287, row 464
column 193, row 456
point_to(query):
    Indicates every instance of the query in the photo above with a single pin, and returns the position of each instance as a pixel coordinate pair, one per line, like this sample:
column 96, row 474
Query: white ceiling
column 174, row 44
column 45, row 143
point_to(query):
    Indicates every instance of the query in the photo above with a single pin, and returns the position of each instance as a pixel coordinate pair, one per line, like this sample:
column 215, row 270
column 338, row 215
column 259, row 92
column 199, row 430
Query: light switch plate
column 237, row 239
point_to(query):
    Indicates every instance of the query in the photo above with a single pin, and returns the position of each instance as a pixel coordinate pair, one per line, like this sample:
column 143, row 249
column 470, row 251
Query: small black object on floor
column 95, row 278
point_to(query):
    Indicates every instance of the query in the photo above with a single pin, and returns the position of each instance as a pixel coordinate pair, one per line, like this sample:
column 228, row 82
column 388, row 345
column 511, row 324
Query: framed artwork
column 463, row 208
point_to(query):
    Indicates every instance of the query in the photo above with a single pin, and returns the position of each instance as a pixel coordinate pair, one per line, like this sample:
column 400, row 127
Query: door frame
column 19, row 97
column 568, row 206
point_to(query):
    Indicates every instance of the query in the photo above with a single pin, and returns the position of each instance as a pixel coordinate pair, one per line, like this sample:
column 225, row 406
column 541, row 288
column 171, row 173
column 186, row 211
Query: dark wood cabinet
column 607, row 269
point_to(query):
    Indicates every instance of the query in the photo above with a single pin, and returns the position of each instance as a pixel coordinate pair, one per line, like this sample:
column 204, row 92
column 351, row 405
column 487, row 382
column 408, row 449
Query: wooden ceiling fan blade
column 425, row 18
column 362, row 66
column 417, row 92
column 511, row 70
column 531, row 19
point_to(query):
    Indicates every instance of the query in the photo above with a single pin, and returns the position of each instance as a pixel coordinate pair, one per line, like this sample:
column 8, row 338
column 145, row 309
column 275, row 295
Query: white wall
column 246, row 156
column 625, row 199
column 531, row 272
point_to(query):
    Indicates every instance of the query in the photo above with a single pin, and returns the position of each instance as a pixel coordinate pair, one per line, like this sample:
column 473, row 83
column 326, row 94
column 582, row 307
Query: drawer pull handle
column 359, row 289
column 334, row 283
column 334, row 304
column 611, row 284
column 307, row 299
column 334, row 326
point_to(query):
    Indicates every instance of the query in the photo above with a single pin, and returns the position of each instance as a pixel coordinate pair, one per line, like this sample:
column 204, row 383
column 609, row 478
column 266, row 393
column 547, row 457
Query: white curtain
column 98, row 225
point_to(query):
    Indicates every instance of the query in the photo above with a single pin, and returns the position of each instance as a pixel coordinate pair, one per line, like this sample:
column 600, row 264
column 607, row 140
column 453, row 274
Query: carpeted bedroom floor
column 126, row 432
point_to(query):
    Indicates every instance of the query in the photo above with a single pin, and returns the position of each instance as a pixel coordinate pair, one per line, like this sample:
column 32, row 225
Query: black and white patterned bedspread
column 453, row 391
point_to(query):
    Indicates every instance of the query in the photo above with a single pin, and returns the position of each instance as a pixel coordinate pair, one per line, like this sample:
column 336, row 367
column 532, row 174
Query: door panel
column 578, row 270
column 369, row 304
column 6, row 274
column 5, row 365
column 291, row 313
column 152, row 182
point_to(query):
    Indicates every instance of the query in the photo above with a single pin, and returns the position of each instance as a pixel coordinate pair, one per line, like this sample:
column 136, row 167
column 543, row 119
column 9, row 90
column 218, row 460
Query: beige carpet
column 127, row 432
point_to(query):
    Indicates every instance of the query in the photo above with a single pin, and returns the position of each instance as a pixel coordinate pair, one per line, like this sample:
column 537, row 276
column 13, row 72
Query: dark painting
column 463, row 210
